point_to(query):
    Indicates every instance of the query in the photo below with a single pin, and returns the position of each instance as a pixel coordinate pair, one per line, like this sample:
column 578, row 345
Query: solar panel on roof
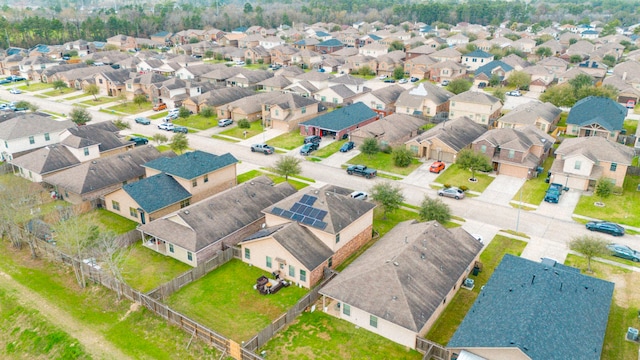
column 314, row 213
column 277, row 211
column 288, row 214
column 297, row 217
column 308, row 210
column 308, row 221
column 321, row 215
column 296, row 207
column 319, row 224
column 308, row 199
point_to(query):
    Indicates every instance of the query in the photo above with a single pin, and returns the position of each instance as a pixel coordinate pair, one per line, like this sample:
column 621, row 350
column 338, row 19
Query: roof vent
column 423, row 256
column 94, row 162
column 396, row 263
column 186, row 212
column 394, row 298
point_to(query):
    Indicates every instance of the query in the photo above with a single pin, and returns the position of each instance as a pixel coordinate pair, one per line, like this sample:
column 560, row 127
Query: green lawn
column 36, row 86
column 618, row 208
column 225, row 301
column 29, row 335
column 624, row 308
column 630, row 126
column 131, row 108
column 101, row 100
column 145, row 269
column 111, row 221
column 197, row 122
column 62, row 91
column 134, row 330
column 224, row 138
column 275, row 178
column 237, row 132
column 455, row 176
column 318, row 335
column 159, row 115
column 287, row 141
column 329, row 150
column 82, row 95
column 448, row 322
column 534, row 189
column 384, row 162
column 563, row 119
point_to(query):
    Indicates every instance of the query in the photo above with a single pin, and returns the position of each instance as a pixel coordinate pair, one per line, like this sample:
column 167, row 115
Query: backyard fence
column 278, row 324
column 165, row 290
column 431, row 350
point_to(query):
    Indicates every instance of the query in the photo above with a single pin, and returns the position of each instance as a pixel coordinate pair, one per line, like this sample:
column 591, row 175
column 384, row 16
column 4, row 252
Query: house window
column 613, row 167
column 335, row 100
column 189, row 256
column 206, row 178
column 269, row 262
column 453, row 103
column 346, row 309
column 86, row 151
column 512, row 153
column 100, row 81
column 303, row 275
column 337, row 238
column 373, row 321
column 304, row 110
column 133, row 212
column 247, row 253
column 184, row 203
column 577, row 165
column 323, row 98
column 32, row 140
column 292, row 271
column 47, row 137
column 6, row 144
column 171, row 248
column 483, row 148
column 115, row 205
column 277, row 112
column 330, row 262
column 414, row 149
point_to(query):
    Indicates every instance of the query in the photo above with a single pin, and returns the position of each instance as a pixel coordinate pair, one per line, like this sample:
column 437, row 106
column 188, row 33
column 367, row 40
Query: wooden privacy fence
column 431, row 350
column 278, row 324
column 165, row 290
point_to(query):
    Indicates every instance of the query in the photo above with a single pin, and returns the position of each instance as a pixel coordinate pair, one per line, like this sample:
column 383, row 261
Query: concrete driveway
column 421, row 176
column 501, row 190
column 564, row 208
column 338, row 158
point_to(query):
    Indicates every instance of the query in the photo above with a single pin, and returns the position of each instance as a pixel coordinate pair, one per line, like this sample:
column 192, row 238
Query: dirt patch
column 133, row 308
column 625, row 293
column 94, row 342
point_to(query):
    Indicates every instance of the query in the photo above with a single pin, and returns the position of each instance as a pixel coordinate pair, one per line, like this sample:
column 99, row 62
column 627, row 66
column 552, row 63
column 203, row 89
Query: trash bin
column 476, row 270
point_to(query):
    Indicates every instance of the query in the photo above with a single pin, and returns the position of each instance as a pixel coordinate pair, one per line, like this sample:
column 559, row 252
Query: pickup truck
column 362, row 171
column 553, row 193
column 263, row 148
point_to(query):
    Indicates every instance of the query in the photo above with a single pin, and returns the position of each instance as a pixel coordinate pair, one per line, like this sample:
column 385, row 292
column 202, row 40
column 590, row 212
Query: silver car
column 452, row 192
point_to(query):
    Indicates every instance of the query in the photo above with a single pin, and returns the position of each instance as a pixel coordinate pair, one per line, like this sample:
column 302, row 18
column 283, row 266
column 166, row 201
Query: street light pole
column 520, row 203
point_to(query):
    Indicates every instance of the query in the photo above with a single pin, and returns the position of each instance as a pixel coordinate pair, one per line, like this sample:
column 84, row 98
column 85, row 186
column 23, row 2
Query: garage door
column 443, row 156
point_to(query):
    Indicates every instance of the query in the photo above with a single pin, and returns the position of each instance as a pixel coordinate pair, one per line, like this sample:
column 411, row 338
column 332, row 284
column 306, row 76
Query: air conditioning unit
column 632, row 334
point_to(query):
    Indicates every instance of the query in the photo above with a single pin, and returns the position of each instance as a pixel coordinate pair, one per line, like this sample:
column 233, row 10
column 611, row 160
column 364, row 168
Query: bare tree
column 111, row 253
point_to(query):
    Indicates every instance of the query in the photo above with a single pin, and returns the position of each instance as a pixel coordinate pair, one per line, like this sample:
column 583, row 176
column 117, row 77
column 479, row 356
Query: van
column 160, row 106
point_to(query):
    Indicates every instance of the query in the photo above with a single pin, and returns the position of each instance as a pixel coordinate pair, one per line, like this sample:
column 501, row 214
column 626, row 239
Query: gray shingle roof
column 528, row 113
column 546, row 312
column 598, row 110
column 83, row 136
column 47, row 159
column 31, row 124
column 390, row 128
column 342, row 118
column 404, row 276
column 210, row 220
column 192, row 164
column 597, row 149
column 475, row 97
column 457, row 133
column 156, row 192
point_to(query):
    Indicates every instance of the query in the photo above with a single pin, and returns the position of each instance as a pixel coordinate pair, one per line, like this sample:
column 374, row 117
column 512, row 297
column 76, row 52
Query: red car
column 436, row 167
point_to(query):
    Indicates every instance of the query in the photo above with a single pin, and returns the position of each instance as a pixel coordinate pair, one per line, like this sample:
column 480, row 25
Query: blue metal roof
column 192, row 164
column 342, row 118
column 331, row 43
column 598, row 110
column 478, row 54
column 488, row 68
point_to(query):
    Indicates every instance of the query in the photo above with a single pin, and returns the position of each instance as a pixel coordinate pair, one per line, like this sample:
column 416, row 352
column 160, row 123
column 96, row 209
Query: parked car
column 359, row 195
column 514, row 93
column 308, row 148
column 166, row 126
column 624, row 252
column 389, row 80
column 445, row 83
column 312, row 139
column 362, row 170
column 5, row 81
column 174, row 112
column 414, row 79
column 605, row 227
column 263, row 148
column 143, row 121
column 347, row 146
column 160, row 106
column 170, row 117
column 180, row 129
column 382, row 77
column 139, row 140
column 436, row 167
column 224, row 122
column 403, row 81
column 452, row 192
column 15, row 91
column 482, row 85
column 631, row 104
column 92, row 263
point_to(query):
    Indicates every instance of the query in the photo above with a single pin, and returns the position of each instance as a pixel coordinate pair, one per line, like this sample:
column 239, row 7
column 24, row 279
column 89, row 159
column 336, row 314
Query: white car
column 382, row 77
column 403, row 81
column 166, row 126
column 15, row 91
column 514, row 93
column 359, row 195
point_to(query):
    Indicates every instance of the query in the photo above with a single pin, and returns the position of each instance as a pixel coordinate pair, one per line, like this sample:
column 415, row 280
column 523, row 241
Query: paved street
column 550, row 227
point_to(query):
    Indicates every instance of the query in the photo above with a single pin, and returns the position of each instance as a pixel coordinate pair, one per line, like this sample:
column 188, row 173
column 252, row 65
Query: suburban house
column 216, row 98
column 308, row 231
column 383, row 100
column 181, row 180
column 28, row 132
column 476, row 59
column 390, row 130
column 426, row 99
column 537, row 311
column 444, row 141
column 515, row 152
column 446, row 70
column 544, row 116
column 335, row 95
column 287, row 111
column 418, row 67
column 339, row 122
column 197, row 232
column 399, row 287
column 476, row 105
column 496, row 68
column 38, row 164
column 596, row 116
column 89, row 181
column 247, row 107
column 541, row 77
column 580, row 162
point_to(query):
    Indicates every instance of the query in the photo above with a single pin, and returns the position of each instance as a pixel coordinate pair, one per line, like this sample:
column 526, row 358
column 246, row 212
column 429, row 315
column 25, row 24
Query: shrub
column 617, row 190
column 386, row 149
column 463, row 188
column 402, row 157
column 446, row 186
column 244, row 124
column 206, row 112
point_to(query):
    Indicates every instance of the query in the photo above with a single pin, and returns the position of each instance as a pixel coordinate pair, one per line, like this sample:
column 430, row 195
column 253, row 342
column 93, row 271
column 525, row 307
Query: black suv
column 315, row 139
